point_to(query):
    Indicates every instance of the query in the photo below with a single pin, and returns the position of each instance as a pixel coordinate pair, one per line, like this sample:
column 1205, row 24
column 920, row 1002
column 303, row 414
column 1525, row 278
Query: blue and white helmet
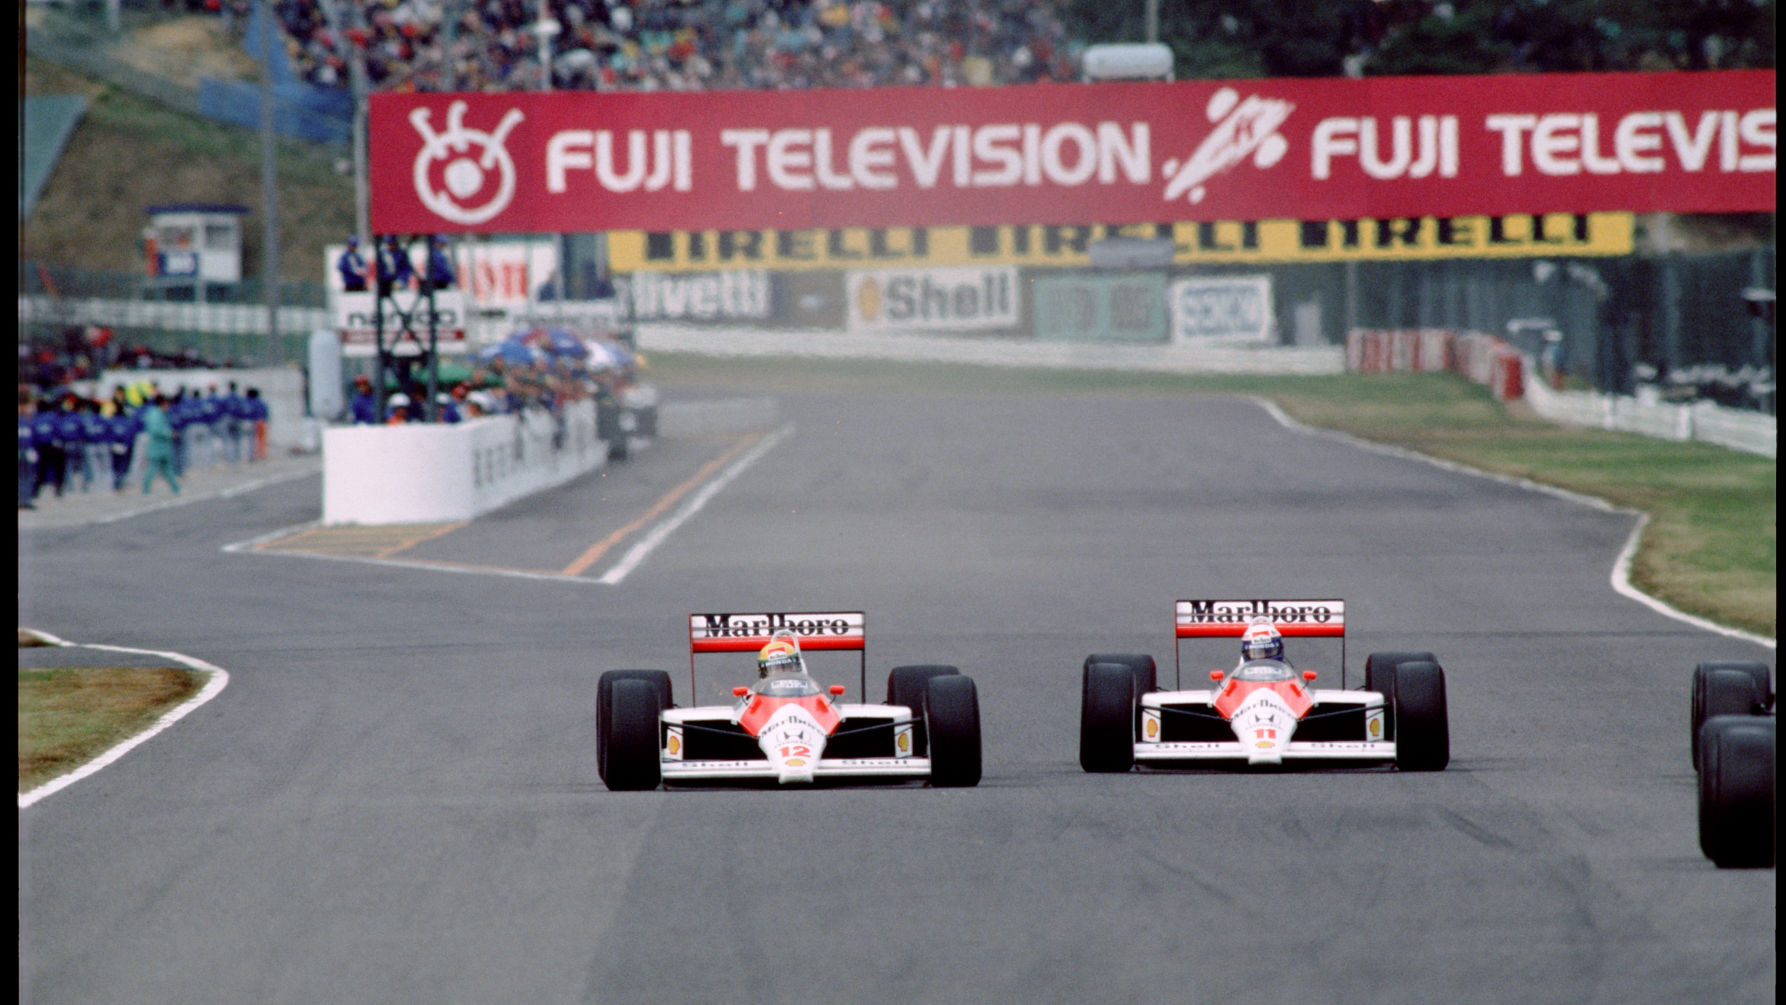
column 1262, row 642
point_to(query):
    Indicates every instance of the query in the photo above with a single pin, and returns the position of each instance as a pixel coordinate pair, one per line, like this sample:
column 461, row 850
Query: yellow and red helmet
column 781, row 655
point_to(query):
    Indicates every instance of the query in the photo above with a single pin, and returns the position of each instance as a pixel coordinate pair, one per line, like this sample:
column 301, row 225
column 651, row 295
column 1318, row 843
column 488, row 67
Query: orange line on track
column 412, row 542
column 594, row 554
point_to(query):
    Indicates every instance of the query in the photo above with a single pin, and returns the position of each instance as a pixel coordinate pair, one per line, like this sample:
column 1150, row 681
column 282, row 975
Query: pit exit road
column 396, row 801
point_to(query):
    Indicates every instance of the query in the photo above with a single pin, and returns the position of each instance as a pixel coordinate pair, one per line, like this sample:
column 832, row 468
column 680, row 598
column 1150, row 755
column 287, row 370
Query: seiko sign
column 1240, row 612
column 1232, row 308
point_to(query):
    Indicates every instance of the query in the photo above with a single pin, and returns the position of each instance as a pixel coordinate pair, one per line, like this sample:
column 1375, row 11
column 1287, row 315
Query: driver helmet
column 781, row 655
column 1261, row 642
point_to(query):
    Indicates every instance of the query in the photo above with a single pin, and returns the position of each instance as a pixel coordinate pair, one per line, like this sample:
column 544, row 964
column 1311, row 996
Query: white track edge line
column 219, row 679
column 1621, row 568
column 637, row 554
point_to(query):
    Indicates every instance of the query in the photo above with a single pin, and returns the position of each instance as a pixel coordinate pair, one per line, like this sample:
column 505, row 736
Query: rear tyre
column 604, row 703
column 1379, row 676
column 1107, row 718
column 1730, row 695
column 952, row 713
column 906, row 686
column 1736, row 791
column 1423, row 738
column 635, row 757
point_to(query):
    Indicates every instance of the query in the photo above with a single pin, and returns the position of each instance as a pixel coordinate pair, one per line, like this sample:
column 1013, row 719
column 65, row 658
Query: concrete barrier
column 993, row 351
column 433, row 473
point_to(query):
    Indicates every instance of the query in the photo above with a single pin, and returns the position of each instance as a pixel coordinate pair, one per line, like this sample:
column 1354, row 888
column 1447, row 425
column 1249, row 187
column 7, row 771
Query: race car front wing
column 1183, row 726
column 844, row 767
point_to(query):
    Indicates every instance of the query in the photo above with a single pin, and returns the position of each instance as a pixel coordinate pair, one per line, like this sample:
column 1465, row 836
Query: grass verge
column 1709, row 549
column 70, row 715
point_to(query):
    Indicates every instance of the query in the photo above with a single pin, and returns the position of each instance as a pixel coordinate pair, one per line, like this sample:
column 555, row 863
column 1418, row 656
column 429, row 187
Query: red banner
column 1114, row 153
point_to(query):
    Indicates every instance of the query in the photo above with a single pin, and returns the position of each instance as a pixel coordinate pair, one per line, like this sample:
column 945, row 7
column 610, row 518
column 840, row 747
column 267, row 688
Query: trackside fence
column 1510, row 374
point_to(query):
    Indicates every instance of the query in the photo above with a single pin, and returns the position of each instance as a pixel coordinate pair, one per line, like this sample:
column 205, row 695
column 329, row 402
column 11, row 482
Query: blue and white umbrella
column 559, row 342
column 511, row 351
column 603, row 357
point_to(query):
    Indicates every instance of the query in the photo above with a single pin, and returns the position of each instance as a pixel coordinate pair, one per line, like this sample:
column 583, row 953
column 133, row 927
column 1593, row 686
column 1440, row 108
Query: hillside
column 129, row 153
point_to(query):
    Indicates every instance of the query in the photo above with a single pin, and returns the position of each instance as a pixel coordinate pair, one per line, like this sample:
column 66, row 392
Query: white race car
column 1262, row 710
column 784, row 727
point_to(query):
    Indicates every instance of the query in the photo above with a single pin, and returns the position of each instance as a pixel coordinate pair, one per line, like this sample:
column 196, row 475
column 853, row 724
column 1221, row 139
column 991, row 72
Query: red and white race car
column 784, row 727
column 1262, row 710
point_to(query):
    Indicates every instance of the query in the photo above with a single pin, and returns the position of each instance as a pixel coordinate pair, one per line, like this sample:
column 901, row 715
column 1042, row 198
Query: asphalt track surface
column 395, row 799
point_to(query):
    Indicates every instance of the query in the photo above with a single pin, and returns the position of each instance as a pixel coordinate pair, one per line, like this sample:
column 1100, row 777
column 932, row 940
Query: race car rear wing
column 1220, row 619
column 740, row 633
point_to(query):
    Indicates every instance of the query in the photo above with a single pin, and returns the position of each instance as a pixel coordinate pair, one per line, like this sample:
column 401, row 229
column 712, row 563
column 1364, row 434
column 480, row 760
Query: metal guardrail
column 211, row 318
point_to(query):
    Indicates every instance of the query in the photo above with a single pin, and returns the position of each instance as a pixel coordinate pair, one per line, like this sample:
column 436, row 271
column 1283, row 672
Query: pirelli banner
column 1516, row 235
column 1376, row 149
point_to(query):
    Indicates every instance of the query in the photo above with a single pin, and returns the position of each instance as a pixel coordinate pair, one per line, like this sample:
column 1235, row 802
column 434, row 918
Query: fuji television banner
column 1284, row 149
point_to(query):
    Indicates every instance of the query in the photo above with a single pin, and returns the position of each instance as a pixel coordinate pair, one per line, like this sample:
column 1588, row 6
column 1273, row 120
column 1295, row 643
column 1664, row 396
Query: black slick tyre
column 951, row 712
column 634, row 753
column 906, row 686
column 1141, row 667
column 1379, row 676
column 1730, row 695
column 1423, row 732
column 1107, row 719
column 1736, row 791
column 604, row 704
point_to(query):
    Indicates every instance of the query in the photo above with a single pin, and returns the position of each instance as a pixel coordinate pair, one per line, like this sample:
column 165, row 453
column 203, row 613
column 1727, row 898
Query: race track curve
column 396, row 800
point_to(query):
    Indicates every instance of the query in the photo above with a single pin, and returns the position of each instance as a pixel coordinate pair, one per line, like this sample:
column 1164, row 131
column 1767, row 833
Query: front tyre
column 1379, row 676
column 635, row 755
column 1736, row 791
column 906, row 685
column 1107, row 718
column 1423, row 730
column 604, row 706
column 952, row 715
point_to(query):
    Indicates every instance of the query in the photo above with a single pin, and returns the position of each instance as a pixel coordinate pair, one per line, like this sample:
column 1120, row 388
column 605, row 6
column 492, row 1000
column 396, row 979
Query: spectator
column 214, row 410
column 257, row 416
column 98, row 443
column 352, row 266
column 440, row 268
column 27, row 448
column 122, row 429
column 236, row 423
column 397, row 409
column 446, row 409
column 161, row 453
column 181, row 416
column 395, row 271
column 363, row 407
column 71, row 434
column 650, row 45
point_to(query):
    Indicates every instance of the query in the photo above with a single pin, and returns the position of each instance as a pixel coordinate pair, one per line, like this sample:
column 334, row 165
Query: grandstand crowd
column 649, row 45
